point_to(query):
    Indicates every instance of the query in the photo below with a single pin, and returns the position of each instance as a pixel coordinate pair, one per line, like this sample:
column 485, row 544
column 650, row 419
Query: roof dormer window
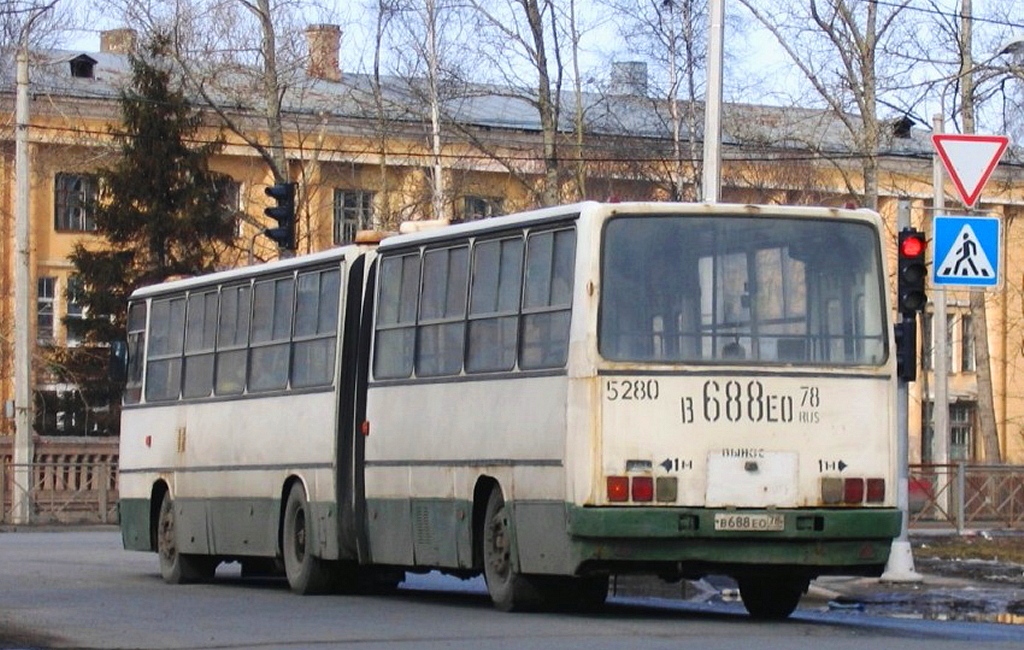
column 83, row 66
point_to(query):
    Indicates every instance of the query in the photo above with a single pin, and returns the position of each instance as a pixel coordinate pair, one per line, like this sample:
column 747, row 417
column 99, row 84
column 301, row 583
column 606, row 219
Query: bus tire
column 509, row 589
column 178, row 568
column 769, row 598
column 306, row 573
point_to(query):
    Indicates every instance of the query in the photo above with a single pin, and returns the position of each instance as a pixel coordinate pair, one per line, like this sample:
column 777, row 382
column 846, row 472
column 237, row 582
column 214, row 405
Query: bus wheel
column 306, row 574
column 178, row 568
column 509, row 589
column 770, row 598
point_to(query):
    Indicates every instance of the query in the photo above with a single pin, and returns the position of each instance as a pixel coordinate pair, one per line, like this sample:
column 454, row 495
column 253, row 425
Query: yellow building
column 363, row 160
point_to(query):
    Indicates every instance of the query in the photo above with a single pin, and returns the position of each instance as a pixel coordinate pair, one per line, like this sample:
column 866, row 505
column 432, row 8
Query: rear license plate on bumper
column 753, row 522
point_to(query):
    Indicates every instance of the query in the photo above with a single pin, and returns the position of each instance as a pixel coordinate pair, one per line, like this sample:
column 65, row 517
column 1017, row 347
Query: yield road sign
column 967, row 251
column 969, row 160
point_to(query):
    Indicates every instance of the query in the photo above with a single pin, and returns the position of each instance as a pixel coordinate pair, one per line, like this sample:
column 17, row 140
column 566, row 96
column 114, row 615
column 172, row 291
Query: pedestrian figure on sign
column 966, row 252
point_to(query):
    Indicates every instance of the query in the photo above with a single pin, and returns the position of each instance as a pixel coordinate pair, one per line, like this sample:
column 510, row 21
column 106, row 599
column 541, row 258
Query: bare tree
column 846, row 52
column 243, row 59
column 986, row 407
column 672, row 37
column 421, row 37
column 40, row 24
column 520, row 43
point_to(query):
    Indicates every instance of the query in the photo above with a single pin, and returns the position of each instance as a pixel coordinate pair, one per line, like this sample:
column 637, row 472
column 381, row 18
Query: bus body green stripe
column 134, row 520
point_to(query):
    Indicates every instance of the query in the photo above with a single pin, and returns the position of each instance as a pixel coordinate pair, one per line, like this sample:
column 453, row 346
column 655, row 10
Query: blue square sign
column 967, row 251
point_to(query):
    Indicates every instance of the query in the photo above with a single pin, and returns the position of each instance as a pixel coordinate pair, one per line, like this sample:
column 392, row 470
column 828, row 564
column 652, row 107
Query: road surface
column 78, row 589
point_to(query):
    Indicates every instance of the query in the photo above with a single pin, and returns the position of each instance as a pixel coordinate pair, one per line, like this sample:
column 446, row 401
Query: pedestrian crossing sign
column 967, row 251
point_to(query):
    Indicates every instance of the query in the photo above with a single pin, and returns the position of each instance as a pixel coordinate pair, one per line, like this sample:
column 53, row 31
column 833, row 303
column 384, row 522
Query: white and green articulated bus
column 548, row 399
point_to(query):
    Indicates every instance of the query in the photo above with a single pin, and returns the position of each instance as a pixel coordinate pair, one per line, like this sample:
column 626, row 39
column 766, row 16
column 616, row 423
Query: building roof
column 489, row 107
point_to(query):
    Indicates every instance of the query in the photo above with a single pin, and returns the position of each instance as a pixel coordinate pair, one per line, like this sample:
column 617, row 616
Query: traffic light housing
column 283, row 213
column 911, row 272
column 906, row 349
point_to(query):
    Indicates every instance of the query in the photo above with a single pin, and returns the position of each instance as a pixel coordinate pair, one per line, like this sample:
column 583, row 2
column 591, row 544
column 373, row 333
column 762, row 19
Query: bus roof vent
column 370, row 237
column 422, row 224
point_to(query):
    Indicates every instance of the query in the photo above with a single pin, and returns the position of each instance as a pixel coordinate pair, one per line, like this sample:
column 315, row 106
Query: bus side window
column 136, row 349
column 316, row 328
column 547, row 300
column 396, row 317
column 167, row 334
column 442, row 322
column 232, row 338
column 494, row 305
column 200, row 334
column 269, row 349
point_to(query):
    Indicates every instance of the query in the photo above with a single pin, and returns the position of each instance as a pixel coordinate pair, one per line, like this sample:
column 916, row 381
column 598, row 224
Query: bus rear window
column 718, row 290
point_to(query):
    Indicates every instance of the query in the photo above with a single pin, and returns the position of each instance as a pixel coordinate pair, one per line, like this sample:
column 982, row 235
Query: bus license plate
column 758, row 522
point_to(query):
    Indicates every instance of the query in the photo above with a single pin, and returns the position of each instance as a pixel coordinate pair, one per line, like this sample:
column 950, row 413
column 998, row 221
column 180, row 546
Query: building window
column 950, row 345
column 967, row 361
column 927, row 344
column 45, row 291
column 927, row 431
column 74, row 197
column 481, row 207
column 961, row 435
column 229, row 198
column 73, row 310
column 961, row 432
column 353, row 211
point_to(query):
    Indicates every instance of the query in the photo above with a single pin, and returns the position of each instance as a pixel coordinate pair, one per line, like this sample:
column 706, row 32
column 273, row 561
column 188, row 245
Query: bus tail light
column 853, row 490
column 831, row 490
column 643, row 488
column 667, row 489
column 876, row 490
column 618, row 488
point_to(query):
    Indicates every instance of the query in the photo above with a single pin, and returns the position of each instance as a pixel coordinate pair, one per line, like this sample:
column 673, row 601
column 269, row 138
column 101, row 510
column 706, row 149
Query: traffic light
column 283, row 213
column 906, row 349
column 911, row 272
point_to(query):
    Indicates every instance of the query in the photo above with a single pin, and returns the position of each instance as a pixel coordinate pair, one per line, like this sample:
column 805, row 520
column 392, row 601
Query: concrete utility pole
column 712, row 180
column 21, row 499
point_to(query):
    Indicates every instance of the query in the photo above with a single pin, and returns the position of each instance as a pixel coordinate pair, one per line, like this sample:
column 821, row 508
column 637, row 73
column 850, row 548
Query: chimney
column 118, row 41
column 629, row 78
column 323, row 42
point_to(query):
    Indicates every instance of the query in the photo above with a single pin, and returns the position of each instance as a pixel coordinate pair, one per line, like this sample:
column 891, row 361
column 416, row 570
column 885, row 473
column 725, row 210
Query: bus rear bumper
column 817, row 541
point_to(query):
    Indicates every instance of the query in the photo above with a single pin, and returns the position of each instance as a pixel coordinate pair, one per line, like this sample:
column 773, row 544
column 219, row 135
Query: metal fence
column 961, row 496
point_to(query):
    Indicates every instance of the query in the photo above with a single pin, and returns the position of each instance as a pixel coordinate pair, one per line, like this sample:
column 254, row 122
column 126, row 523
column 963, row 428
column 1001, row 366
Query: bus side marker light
column 643, row 488
column 618, row 488
column 876, row 490
column 149, row 441
column 666, row 489
column 853, row 490
column 831, row 490
column 364, row 428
